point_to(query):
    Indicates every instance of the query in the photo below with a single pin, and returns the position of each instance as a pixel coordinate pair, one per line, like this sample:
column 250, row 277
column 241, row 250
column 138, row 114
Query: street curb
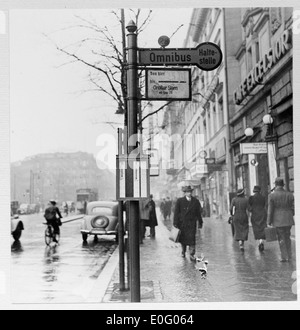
column 99, row 289
column 72, row 219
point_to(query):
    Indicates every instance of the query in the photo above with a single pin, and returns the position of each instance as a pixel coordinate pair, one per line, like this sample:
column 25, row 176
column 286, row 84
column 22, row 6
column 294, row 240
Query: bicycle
column 50, row 237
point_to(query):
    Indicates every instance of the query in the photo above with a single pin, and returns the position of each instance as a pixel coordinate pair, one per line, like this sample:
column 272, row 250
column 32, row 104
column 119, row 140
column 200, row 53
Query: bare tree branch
column 154, row 112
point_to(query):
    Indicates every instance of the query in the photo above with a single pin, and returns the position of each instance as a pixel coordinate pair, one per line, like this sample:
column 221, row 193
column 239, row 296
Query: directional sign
column 168, row 84
column 207, row 56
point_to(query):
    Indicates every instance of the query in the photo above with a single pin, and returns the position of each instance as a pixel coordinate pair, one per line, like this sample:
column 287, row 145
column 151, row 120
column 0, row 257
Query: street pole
column 121, row 204
column 132, row 103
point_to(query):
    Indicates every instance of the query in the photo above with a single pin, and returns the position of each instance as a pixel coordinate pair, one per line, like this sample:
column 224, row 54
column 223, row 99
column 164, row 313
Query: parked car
column 17, row 227
column 24, row 209
column 14, row 207
column 101, row 219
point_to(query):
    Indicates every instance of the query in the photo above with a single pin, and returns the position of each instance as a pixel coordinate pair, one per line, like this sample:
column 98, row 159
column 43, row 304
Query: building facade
column 38, row 179
column 237, row 131
column 262, row 116
column 202, row 156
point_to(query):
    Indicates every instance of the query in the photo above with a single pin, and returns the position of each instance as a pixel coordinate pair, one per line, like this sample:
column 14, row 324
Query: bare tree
column 104, row 54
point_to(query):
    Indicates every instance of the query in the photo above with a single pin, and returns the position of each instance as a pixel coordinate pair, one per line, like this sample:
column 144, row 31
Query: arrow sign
column 207, row 56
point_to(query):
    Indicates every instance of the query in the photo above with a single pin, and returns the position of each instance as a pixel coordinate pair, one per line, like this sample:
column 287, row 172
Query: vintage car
column 16, row 227
column 101, row 218
column 24, row 209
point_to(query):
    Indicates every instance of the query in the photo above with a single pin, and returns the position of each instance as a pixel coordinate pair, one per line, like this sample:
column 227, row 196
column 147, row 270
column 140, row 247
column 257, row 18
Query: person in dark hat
column 51, row 213
column 257, row 209
column 186, row 214
column 281, row 211
column 239, row 212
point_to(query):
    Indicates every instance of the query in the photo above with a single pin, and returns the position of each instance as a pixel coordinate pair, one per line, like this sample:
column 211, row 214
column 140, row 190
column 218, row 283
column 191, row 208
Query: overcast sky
column 47, row 111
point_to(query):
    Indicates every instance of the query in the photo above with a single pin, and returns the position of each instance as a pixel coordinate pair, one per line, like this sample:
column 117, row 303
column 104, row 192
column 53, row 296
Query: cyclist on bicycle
column 50, row 215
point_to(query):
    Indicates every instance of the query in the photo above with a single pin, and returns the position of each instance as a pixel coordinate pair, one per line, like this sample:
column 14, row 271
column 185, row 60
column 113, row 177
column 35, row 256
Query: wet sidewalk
column 232, row 276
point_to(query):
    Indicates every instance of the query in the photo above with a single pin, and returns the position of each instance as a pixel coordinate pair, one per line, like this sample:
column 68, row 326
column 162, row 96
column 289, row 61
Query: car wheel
column 84, row 237
column 17, row 234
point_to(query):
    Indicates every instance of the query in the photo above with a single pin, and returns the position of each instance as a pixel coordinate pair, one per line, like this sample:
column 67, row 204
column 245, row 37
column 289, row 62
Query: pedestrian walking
column 206, row 207
column 281, row 211
column 152, row 223
column 239, row 212
column 163, row 208
column 144, row 217
column 187, row 213
column 168, row 208
column 257, row 209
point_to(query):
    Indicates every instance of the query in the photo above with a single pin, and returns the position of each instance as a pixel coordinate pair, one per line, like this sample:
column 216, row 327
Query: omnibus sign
column 206, row 56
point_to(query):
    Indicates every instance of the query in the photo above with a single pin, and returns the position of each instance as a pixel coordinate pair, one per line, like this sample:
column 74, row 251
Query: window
column 221, row 112
column 249, row 59
column 264, row 41
column 214, row 119
column 257, row 53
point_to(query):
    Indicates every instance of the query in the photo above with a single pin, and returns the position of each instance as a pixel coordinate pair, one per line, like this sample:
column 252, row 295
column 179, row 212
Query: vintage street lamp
column 249, row 132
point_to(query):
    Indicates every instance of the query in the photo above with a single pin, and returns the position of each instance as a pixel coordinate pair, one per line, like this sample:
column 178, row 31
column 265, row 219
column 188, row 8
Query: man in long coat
column 281, row 216
column 187, row 213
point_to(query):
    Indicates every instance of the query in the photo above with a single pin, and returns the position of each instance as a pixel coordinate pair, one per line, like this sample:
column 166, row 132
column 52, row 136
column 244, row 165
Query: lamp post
column 271, row 146
column 133, row 205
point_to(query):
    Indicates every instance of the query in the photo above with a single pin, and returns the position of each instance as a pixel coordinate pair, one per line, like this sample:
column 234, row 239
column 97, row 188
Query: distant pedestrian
column 239, row 211
column 168, row 208
column 281, row 211
column 163, row 208
column 187, row 213
column 84, row 207
column 206, row 207
column 257, row 208
column 152, row 223
column 144, row 217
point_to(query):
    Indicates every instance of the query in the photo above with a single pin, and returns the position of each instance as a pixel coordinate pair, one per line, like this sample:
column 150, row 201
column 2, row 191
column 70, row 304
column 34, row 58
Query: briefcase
column 174, row 235
column 271, row 234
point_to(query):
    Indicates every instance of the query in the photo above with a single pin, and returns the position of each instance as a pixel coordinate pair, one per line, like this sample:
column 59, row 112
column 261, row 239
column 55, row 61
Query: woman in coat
column 239, row 211
column 257, row 208
column 152, row 220
column 187, row 213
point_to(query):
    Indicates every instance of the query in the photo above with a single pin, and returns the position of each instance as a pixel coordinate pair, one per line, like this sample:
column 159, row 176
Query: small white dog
column 201, row 266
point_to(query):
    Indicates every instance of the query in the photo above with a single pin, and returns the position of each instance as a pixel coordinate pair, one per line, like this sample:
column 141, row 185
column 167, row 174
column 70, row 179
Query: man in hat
column 281, row 211
column 186, row 214
column 257, row 208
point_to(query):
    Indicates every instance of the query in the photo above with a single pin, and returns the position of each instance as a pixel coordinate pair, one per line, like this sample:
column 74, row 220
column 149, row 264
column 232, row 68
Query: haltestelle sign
column 255, row 76
column 207, row 56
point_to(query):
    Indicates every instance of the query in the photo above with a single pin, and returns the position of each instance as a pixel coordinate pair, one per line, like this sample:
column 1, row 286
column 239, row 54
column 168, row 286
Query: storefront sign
column 168, row 84
column 254, row 148
column 256, row 75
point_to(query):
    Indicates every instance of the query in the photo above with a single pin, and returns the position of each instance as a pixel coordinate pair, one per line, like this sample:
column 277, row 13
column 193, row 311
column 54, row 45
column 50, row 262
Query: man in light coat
column 281, row 213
